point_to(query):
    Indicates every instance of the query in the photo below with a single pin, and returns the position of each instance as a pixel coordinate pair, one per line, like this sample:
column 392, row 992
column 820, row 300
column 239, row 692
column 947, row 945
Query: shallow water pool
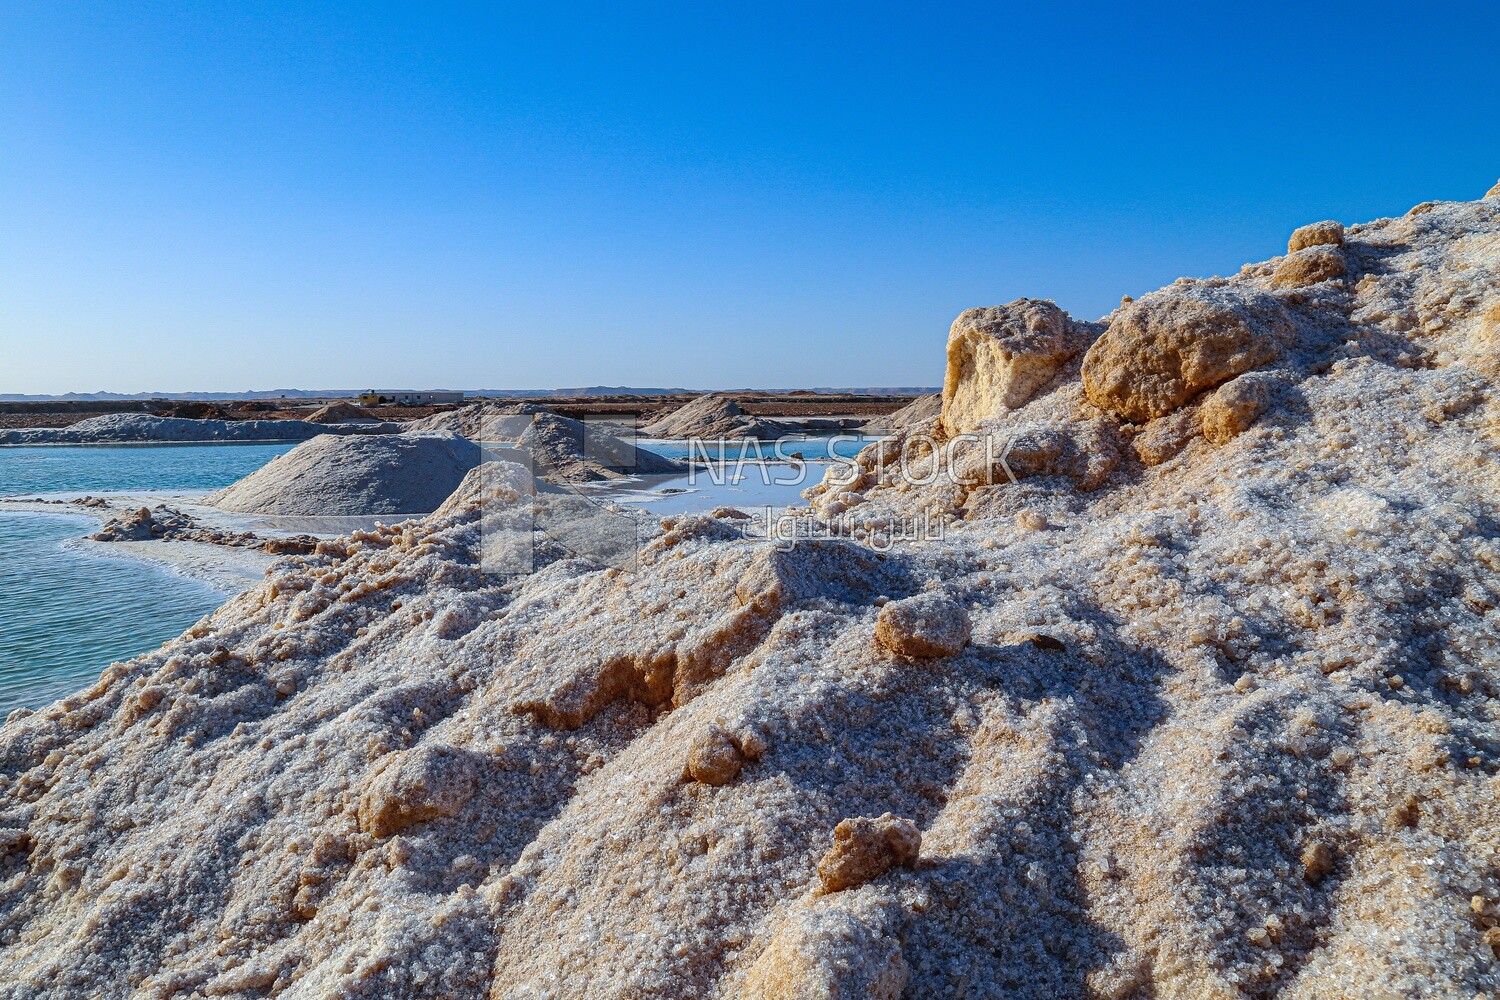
column 68, row 615
column 84, row 468
column 65, row 614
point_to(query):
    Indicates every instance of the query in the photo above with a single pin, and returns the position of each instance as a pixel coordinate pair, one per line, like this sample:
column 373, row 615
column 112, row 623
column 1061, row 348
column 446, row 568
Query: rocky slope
column 1195, row 698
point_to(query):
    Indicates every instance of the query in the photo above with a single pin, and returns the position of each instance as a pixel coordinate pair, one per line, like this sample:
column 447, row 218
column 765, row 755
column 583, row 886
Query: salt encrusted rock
column 822, row 952
column 1232, row 408
column 1316, row 234
column 1308, row 267
column 136, row 525
column 1165, row 348
column 1031, row 520
column 714, row 758
column 1317, row 861
column 866, row 848
column 566, row 450
column 998, row 357
column 728, row 514
column 416, row 785
column 1084, row 451
column 486, row 421
column 924, row 626
column 1161, row 439
column 339, row 413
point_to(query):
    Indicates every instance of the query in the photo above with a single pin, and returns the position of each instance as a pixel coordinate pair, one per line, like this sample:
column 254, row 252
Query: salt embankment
column 121, row 428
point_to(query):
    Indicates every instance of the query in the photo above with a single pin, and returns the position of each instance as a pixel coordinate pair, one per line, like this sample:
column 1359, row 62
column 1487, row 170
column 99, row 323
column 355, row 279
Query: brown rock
column 1316, row 234
column 1166, row 347
column 1085, row 451
column 865, row 849
column 1161, row 439
column 1030, row 520
column 1317, row 861
column 999, row 356
column 417, row 785
column 1408, row 813
column 714, row 759
column 1232, row 408
column 927, row 625
column 1308, row 267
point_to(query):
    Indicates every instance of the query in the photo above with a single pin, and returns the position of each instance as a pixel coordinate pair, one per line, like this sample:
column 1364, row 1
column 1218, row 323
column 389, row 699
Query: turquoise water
column 746, row 474
column 66, row 614
column 56, row 469
column 69, row 615
column 812, row 448
column 747, row 486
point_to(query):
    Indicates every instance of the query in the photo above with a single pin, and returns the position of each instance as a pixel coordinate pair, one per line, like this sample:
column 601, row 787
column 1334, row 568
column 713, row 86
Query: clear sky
column 230, row 197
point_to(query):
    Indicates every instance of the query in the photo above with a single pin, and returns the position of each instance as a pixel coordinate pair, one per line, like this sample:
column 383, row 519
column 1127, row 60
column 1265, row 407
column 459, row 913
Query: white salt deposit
column 1194, row 714
column 386, row 474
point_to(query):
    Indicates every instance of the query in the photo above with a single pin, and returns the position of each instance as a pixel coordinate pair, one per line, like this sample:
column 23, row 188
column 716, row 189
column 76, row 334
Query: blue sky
column 227, row 197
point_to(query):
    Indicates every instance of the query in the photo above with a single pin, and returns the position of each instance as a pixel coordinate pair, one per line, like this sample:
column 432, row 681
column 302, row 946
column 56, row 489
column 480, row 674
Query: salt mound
column 390, row 474
column 568, row 450
column 919, row 411
column 338, row 413
column 1224, row 725
column 711, row 417
column 476, row 421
